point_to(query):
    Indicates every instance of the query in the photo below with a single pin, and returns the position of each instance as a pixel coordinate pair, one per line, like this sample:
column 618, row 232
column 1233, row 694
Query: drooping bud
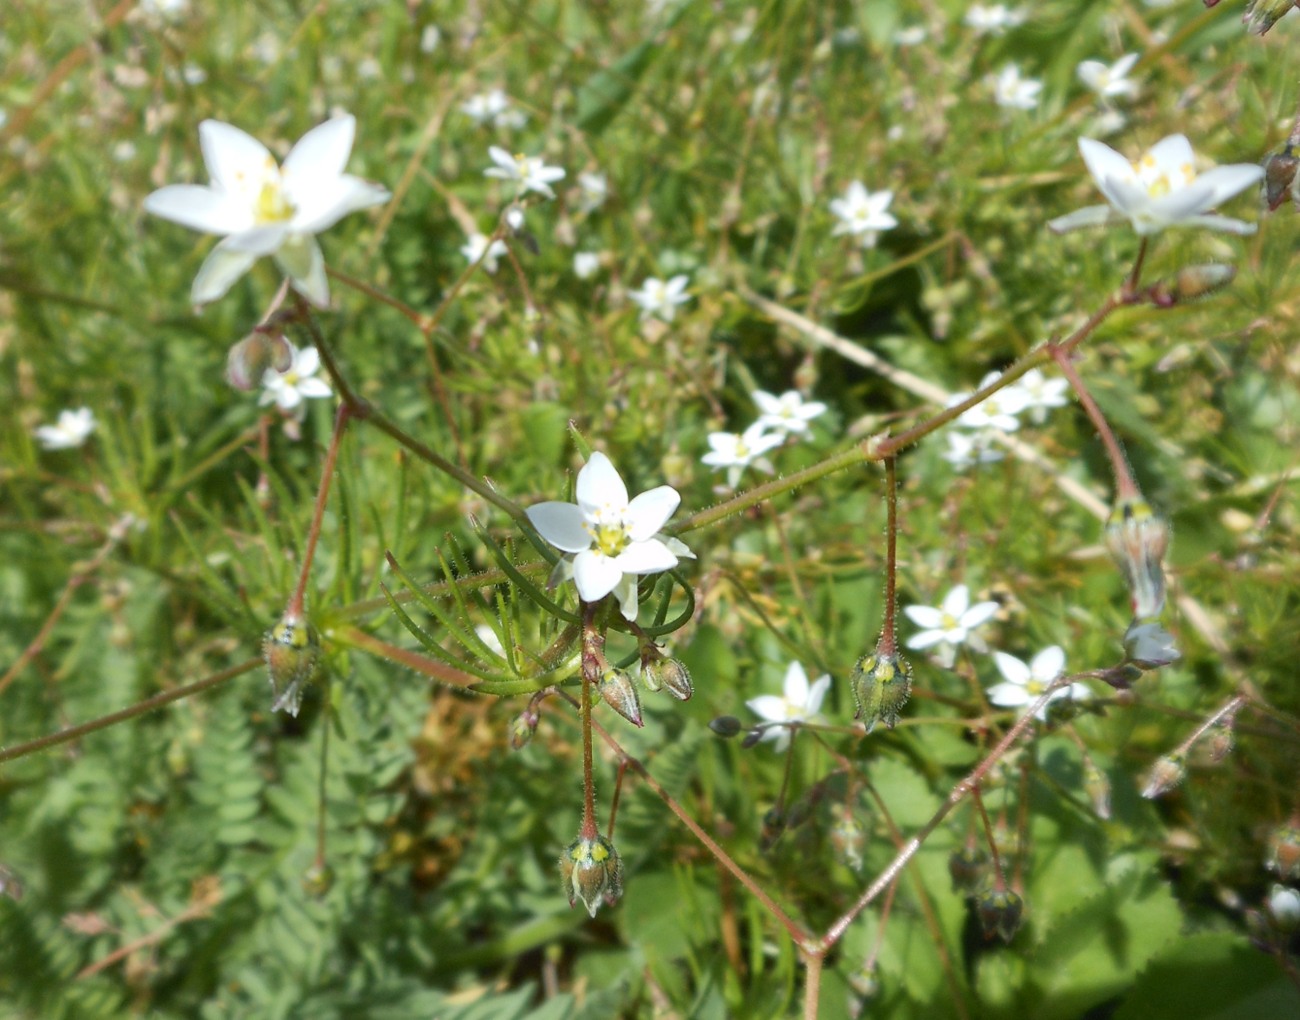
column 591, row 871
column 1261, row 15
column 1280, row 177
column 1149, row 646
column 881, row 685
column 662, row 672
column 848, row 837
column 1219, row 741
column 1097, row 787
column 752, row 738
column 249, row 359
column 1284, row 851
column 1000, row 912
column 726, row 726
column 293, row 659
column 1165, row 774
column 318, row 880
column 523, row 727
column 1192, row 282
column 968, row 867
column 1138, row 538
column 618, row 691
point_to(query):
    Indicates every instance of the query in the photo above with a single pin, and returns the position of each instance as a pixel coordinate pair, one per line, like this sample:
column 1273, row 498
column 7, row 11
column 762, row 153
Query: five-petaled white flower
column 295, row 384
column 950, row 624
column 1012, row 92
column 862, row 213
column 530, row 172
column 593, row 189
column 70, row 430
column 1162, row 189
column 264, row 209
column 966, row 449
column 1025, row 684
column 993, row 20
column 997, row 411
column 585, row 264
column 788, row 413
column 610, row 541
column 659, row 298
column 476, row 247
column 1109, row 81
column 1039, row 393
column 799, row 703
column 493, row 107
column 737, row 452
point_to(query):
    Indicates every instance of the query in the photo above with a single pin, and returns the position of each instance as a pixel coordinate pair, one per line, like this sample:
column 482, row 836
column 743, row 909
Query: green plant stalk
column 1125, row 486
column 297, row 601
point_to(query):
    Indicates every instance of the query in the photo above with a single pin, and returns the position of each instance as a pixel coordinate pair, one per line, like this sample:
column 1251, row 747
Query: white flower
column 593, row 189
column 1025, row 684
column 611, row 541
column 1162, row 189
column 1109, row 81
column 1284, row 906
column 585, row 264
column 1040, row 393
column 485, row 107
column 862, row 213
column 913, row 35
column 1149, row 645
column 659, row 298
column 737, row 452
column 950, row 624
column 476, row 247
column 529, row 172
column 297, row 383
column 164, row 10
column 966, row 449
column 799, row 703
column 430, row 38
column 1013, row 92
column 787, row 413
column 994, row 20
column 996, row 411
column 70, row 430
column 264, row 209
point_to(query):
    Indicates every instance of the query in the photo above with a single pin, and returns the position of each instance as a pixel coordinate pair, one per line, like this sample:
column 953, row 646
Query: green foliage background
column 725, row 129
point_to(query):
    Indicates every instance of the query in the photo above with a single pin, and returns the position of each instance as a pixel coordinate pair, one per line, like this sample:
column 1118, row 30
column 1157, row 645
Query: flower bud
column 1149, row 646
column 1284, row 852
column 318, row 880
column 293, row 659
column 1097, row 787
column 1280, row 178
column 752, row 738
column 249, row 359
column 1165, row 774
column 1219, row 743
column 968, row 868
column 1192, row 282
column 1137, row 539
column 1000, row 912
column 881, row 685
column 523, row 727
column 618, row 691
column 1261, row 15
column 591, row 871
column 1284, row 908
column 725, row 726
column 664, row 672
column 848, row 837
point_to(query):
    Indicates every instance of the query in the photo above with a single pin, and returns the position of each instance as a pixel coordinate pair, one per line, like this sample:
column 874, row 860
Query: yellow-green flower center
column 271, row 205
column 610, row 539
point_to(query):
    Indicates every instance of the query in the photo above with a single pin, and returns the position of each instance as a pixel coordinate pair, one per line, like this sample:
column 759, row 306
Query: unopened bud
column 848, row 837
column 725, row 726
column 1261, row 15
column 968, row 867
column 1149, row 646
column 1192, row 282
column 293, row 659
column 752, row 738
column 1138, row 538
column 523, row 727
column 318, row 880
column 251, row 358
column 1219, row 743
column 881, row 685
column 1284, row 851
column 1000, row 912
column 1165, row 774
column 865, row 981
column 1280, row 178
column 1097, row 787
column 591, row 871
column 618, row 691
column 663, row 672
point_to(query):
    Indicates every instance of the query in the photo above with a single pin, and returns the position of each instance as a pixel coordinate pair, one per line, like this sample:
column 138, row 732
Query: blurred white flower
column 288, row 389
column 485, row 107
column 862, row 213
column 1012, row 92
column 950, row 624
column 593, row 189
column 1040, row 393
column 788, row 413
column 799, row 702
column 1025, row 684
column 1109, row 81
column 529, row 172
column 610, row 541
column 913, row 35
column 586, row 264
column 430, row 38
column 476, row 247
column 1149, row 646
column 966, row 449
column 659, row 298
column 1160, row 190
column 70, row 430
column 264, row 209
column 1284, row 906
column 737, row 452
column 997, row 411
column 993, row 20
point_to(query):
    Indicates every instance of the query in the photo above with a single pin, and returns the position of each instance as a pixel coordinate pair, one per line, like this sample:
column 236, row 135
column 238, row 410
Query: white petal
column 307, row 361
column 1172, row 153
column 1015, row 671
column 504, row 160
column 595, row 575
column 648, row 512
column 924, row 616
column 645, row 558
column 219, row 271
column 322, row 152
column 1009, row 695
column 767, row 403
column 1226, row 224
column 316, row 388
column 926, row 638
column 795, row 684
column 322, row 204
column 677, row 547
column 233, row 157
column 1091, row 216
column 199, row 208
column 288, row 397
column 956, row 601
column 561, row 524
column 977, row 614
column 302, row 261
column 1048, row 664
column 817, row 693
column 768, row 707
column 1103, row 162
column 599, row 485
column 626, row 593
column 1226, row 181
column 257, row 241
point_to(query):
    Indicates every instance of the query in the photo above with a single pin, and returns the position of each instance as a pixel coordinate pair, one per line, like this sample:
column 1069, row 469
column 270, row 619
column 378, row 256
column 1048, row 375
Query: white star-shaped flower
column 996, row 411
column 950, row 624
column 1012, row 92
column 611, row 541
column 485, row 107
column 994, row 19
column 476, row 247
column 799, row 703
column 659, row 298
column 788, row 413
column 585, row 264
column 593, row 189
column 264, row 209
column 966, row 449
column 70, row 430
column 530, row 172
column 1160, row 190
column 297, row 383
column 862, row 213
column 1109, row 80
column 1025, row 684
column 1039, row 393
column 737, row 452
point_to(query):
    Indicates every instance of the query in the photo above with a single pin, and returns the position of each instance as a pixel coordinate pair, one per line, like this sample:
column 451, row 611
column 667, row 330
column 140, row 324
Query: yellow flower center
column 949, row 622
column 611, row 539
column 271, row 205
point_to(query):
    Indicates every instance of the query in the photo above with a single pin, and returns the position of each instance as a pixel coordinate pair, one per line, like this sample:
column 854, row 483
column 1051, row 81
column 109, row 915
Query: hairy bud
column 1165, row 774
column 662, row 672
column 293, row 659
column 523, row 727
column 848, row 837
column 1280, row 178
column 881, row 686
column 591, row 871
column 1138, row 538
column 1261, row 15
column 249, row 360
column 1192, row 282
column 618, row 691
column 1000, row 912
column 968, row 867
